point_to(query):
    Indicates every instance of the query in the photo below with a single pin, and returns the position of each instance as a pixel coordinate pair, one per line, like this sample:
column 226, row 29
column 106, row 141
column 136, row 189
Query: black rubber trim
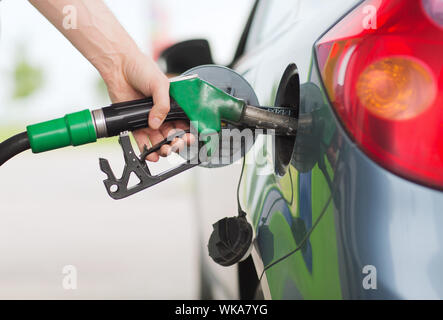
column 133, row 115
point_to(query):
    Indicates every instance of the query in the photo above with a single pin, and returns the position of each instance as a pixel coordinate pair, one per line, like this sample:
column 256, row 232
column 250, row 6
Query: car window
column 270, row 17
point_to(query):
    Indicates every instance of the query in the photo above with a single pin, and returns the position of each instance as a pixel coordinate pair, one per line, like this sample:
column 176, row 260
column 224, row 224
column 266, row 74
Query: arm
column 127, row 72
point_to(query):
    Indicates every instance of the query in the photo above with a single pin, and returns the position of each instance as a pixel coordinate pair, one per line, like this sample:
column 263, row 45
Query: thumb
column 160, row 95
column 145, row 76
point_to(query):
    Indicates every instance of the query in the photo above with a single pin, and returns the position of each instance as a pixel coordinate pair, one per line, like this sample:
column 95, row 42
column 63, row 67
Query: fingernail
column 152, row 158
column 156, row 123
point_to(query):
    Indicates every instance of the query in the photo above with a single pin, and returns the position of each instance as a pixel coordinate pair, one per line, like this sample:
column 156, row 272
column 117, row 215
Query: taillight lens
column 382, row 67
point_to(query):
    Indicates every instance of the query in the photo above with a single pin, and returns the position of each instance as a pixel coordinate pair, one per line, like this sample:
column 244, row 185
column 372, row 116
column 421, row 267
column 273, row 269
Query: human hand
column 138, row 77
column 127, row 72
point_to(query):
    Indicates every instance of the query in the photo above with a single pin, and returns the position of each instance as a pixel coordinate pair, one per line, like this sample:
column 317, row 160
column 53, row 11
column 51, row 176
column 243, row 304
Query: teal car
column 351, row 209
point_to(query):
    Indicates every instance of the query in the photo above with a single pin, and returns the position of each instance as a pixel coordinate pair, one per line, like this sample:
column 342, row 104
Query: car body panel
column 384, row 221
column 364, row 216
column 283, row 208
column 345, row 228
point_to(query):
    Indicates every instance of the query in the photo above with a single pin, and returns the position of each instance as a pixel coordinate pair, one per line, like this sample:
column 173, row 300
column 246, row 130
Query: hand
column 138, row 77
column 127, row 72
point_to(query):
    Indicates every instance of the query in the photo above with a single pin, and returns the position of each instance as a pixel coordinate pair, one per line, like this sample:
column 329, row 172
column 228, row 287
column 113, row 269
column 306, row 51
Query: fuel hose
column 84, row 127
column 192, row 99
column 13, row 146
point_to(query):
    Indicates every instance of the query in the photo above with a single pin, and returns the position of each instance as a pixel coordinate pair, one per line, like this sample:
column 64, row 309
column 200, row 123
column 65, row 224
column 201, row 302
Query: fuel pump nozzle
column 225, row 98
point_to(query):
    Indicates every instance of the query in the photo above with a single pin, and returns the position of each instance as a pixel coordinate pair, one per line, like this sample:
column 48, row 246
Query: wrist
column 111, row 65
column 110, row 68
column 113, row 70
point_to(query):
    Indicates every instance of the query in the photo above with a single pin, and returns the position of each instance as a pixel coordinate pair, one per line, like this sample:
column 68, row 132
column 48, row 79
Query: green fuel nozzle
column 207, row 107
column 192, row 99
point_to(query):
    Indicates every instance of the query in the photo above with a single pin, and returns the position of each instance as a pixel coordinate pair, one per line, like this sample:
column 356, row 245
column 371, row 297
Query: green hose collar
column 74, row 129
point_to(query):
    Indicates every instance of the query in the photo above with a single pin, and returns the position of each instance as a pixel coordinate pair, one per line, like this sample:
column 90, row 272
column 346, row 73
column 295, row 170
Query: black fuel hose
column 13, row 146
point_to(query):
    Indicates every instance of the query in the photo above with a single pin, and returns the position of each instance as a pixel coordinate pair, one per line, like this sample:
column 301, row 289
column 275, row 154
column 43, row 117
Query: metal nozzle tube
column 262, row 119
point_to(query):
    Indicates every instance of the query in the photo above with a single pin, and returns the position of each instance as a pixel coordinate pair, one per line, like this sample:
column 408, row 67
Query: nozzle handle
column 130, row 116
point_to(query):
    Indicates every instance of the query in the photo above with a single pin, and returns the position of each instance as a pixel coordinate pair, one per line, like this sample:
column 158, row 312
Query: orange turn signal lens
column 396, row 88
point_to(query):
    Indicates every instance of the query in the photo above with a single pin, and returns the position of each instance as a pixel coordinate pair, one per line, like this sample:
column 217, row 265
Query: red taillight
column 385, row 80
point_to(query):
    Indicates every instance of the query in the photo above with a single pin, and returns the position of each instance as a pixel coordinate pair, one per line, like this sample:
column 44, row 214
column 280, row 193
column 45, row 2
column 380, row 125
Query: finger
column 167, row 130
column 183, row 125
column 189, row 138
column 142, row 139
column 153, row 157
column 155, row 136
column 178, row 145
column 165, row 151
column 160, row 94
